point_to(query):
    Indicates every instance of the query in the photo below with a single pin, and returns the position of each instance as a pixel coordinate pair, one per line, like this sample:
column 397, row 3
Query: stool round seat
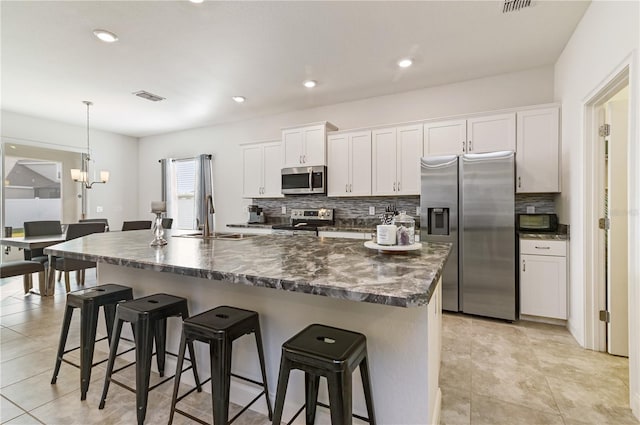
column 333, row 353
column 89, row 302
column 219, row 327
column 148, row 317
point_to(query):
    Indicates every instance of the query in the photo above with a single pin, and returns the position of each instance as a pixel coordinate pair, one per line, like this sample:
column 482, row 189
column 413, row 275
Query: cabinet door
column 383, row 161
column 360, row 164
column 338, row 165
column 491, row 133
column 292, row 141
column 252, row 171
column 537, row 157
column 408, row 153
column 445, row 138
column 314, row 145
column 543, row 287
column 272, row 180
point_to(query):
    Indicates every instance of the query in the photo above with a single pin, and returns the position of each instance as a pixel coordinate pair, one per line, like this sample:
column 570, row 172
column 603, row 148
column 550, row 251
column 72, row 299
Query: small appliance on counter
column 306, row 221
column 255, row 215
column 535, row 223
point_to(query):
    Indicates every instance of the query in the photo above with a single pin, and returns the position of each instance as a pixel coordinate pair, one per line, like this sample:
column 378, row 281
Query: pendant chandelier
column 82, row 175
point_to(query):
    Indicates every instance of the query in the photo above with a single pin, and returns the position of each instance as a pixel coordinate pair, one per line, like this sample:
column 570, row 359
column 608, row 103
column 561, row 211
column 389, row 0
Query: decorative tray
column 395, row 249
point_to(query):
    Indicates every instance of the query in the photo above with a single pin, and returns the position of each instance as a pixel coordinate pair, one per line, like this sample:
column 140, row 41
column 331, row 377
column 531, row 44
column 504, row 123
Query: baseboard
column 635, row 405
column 437, row 409
column 547, row 320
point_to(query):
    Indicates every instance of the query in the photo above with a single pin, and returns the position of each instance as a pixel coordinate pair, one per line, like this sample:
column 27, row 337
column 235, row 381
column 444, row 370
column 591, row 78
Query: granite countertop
column 337, row 268
column 545, row 236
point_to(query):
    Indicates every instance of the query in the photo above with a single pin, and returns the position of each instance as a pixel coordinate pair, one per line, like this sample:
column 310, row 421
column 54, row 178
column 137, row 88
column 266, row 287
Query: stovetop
column 308, row 219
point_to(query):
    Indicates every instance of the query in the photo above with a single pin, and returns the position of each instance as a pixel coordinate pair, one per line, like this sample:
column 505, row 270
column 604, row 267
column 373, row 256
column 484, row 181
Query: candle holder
column 158, row 231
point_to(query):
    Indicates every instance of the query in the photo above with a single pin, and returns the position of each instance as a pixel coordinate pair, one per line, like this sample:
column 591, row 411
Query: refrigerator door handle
column 524, row 265
column 519, row 181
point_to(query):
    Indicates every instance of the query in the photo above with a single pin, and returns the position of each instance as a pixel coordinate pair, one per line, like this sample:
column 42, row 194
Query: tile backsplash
column 355, row 211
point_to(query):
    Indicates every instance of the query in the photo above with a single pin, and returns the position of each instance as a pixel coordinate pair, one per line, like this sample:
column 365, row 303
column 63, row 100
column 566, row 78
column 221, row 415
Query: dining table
column 35, row 242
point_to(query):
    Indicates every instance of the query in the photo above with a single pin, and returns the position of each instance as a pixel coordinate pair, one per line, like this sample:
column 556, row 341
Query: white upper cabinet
column 349, row 164
column 261, row 170
column 491, row 133
column 396, row 153
column 537, row 157
column 305, row 145
column 445, row 138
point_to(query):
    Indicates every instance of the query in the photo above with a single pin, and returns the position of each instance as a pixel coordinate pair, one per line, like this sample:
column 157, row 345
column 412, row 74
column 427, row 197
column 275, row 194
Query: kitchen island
column 393, row 299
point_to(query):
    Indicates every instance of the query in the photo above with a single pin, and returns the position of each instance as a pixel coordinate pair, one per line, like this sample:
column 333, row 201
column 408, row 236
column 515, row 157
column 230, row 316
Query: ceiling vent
column 149, row 96
column 515, row 5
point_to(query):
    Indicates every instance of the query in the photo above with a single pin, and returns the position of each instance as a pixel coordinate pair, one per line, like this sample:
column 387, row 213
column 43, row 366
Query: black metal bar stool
column 148, row 315
column 89, row 302
column 334, row 353
column 219, row 327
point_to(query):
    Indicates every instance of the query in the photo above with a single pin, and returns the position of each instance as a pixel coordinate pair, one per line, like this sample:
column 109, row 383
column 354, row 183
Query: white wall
column 113, row 152
column 502, row 91
column 607, row 34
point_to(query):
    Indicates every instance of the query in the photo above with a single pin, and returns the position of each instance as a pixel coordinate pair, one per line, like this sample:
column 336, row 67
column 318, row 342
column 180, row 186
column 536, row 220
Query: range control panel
column 323, row 214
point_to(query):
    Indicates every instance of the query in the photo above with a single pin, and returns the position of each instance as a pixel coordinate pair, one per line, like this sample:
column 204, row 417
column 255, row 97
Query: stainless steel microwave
column 304, row 180
column 538, row 222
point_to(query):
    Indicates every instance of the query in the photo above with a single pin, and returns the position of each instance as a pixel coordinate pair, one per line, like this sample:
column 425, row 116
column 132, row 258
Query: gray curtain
column 204, row 188
column 169, row 189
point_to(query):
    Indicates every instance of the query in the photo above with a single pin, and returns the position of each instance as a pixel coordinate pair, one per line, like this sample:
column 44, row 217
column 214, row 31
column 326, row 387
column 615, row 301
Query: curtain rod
column 208, row 155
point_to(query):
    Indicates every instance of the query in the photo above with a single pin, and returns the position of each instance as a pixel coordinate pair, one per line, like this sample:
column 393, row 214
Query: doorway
column 613, row 150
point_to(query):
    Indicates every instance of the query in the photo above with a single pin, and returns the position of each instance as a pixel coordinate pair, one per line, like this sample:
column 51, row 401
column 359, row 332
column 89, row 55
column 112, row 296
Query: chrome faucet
column 209, row 226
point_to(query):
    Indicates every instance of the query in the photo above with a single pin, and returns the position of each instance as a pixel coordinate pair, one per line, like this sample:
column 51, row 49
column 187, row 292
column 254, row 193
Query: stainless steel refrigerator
column 468, row 200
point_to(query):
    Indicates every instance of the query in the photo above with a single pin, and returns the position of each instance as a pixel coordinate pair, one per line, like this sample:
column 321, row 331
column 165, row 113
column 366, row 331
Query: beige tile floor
column 492, row 373
column 527, row 373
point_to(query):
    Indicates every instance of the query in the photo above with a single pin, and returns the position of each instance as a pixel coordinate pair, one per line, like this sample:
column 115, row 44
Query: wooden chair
column 75, row 230
column 167, row 223
column 40, row 228
column 24, row 268
column 96, row 220
column 136, row 225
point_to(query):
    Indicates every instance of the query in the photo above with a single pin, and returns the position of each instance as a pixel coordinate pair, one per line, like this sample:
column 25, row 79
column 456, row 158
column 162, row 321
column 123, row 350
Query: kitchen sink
column 221, row 236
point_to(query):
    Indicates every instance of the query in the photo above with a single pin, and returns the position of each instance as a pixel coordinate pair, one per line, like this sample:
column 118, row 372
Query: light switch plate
column 284, row 210
column 99, row 209
column 531, row 209
column 372, row 210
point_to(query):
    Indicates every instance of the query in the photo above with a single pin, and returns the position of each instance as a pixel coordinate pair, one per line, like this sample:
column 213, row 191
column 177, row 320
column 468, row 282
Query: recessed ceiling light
column 310, row 84
column 239, row 99
column 106, row 36
column 196, row 1
column 405, row 63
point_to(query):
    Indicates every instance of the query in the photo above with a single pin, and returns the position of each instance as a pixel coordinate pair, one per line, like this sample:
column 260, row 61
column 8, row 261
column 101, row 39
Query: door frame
column 593, row 173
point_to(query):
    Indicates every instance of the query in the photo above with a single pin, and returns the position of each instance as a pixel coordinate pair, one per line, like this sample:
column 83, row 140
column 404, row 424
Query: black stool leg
column 88, row 325
column 68, row 313
column 220, row 355
column 311, row 384
column 160, row 336
column 176, row 381
column 281, row 391
column 340, row 397
column 258, row 336
column 144, row 349
column 366, row 384
column 109, row 316
column 192, row 357
column 113, row 350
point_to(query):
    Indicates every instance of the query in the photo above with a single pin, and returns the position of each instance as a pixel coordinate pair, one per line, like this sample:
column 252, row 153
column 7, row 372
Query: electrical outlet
column 531, row 209
column 99, row 209
column 284, row 210
column 372, row 210
column 417, row 210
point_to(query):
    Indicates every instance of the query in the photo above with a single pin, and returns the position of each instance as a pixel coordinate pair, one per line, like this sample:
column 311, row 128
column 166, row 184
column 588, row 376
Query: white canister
column 386, row 234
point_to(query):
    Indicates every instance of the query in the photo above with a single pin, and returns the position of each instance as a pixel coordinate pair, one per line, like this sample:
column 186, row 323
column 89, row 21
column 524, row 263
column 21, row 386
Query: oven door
column 303, row 180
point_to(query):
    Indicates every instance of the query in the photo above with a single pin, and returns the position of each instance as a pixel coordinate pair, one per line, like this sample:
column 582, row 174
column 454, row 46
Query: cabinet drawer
column 543, row 247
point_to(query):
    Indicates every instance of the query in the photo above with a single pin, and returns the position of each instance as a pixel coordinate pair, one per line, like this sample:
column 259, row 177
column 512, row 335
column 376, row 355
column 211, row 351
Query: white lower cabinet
column 543, row 278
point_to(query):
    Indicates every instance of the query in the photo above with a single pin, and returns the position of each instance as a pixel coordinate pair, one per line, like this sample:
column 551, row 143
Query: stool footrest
column 326, row 406
column 247, row 406
column 190, row 416
column 247, row 379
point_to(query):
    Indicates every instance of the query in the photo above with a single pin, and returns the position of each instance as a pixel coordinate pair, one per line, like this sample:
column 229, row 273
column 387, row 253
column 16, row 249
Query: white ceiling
column 199, row 55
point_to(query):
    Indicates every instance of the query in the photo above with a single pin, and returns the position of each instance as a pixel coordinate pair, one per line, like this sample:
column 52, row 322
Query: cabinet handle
column 346, row 187
column 524, row 266
column 464, row 146
column 394, row 186
column 543, row 247
column 350, row 187
column 398, row 186
column 519, row 181
column 304, row 159
column 469, row 146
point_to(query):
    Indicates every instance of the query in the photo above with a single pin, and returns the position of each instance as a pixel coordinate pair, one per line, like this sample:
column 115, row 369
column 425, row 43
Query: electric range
column 305, row 222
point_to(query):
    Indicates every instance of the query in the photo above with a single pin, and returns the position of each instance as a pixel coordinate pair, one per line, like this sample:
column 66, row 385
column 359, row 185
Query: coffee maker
column 255, row 214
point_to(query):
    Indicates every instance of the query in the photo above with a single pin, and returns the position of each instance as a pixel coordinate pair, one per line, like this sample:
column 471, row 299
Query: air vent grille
column 514, row 5
column 149, row 96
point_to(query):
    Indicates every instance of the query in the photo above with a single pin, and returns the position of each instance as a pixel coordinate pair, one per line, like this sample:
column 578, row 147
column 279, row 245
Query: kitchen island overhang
column 392, row 299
